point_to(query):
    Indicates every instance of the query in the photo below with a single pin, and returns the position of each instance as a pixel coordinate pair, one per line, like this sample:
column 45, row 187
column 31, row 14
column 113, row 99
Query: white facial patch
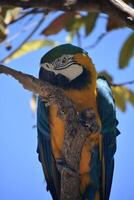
column 71, row 72
column 65, row 66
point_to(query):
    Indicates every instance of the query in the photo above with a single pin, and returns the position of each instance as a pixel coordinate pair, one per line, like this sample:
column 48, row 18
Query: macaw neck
column 83, row 99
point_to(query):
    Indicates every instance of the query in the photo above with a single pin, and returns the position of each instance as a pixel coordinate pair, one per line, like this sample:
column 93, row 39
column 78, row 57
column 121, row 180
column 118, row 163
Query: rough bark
column 77, row 129
column 115, row 8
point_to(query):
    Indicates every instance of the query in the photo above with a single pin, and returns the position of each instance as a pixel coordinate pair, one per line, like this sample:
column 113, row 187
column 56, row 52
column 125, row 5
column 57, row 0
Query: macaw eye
column 47, row 65
column 64, row 60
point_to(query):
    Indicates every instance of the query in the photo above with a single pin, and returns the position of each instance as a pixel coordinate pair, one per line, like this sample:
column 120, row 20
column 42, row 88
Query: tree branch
column 75, row 132
column 115, row 8
column 98, row 40
column 122, row 6
column 120, row 11
column 122, row 84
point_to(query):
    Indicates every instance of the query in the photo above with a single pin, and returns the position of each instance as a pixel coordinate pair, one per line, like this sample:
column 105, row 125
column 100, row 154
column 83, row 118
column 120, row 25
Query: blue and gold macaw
column 69, row 67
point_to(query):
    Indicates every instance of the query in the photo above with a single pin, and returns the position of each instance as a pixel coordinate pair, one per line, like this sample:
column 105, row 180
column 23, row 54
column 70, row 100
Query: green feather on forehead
column 60, row 50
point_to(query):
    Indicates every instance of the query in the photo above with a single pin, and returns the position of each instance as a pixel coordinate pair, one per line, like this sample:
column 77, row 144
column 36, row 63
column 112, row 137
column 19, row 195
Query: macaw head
column 67, row 66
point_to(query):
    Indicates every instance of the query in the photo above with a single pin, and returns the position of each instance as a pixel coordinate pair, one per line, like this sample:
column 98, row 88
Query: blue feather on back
column 107, row 112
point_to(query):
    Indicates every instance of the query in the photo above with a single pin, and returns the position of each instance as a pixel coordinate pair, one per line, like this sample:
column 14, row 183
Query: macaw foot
column 87, row 118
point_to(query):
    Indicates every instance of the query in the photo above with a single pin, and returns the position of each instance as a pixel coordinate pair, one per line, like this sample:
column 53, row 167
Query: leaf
column 78, row 21
column 7, row 14
column 3, row 29
column 59, row 23
column 119, row 98
column 3, row 32
column 11, row 15
column 4, row 9
column 113, row 23
column 123, row 95
column 90, row 22
column 75, row 24
column 131, row 97
column 126, row 52
column 29, row 47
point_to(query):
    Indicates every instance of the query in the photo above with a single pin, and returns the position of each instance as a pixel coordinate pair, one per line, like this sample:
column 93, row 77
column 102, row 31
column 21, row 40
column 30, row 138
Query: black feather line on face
column 59, row 80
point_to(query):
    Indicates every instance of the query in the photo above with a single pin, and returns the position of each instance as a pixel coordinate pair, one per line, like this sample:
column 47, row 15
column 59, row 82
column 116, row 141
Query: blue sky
column 21, row 176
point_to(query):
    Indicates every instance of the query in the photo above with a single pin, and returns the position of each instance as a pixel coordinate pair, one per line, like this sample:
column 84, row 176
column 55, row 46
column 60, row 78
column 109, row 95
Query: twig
column 25, row 40
column 122, row 84
column 16, row 35
column 32, row 11
column 122, row 6
column 121, row 11
column 98, row 40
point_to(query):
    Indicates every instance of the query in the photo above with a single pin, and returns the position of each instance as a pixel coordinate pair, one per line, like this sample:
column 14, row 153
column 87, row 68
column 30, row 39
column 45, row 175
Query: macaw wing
column 107, row 112
column 45, row 152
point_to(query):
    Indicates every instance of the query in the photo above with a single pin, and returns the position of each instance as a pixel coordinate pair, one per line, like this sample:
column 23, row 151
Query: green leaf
column 29, row 47
column 119, row 98
column 90, row 21
column 123, row 95
column 131, row 97
column 126, row 52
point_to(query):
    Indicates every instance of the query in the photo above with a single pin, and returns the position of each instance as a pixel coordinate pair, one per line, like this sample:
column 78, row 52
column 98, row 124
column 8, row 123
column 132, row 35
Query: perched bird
column 70, row 68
